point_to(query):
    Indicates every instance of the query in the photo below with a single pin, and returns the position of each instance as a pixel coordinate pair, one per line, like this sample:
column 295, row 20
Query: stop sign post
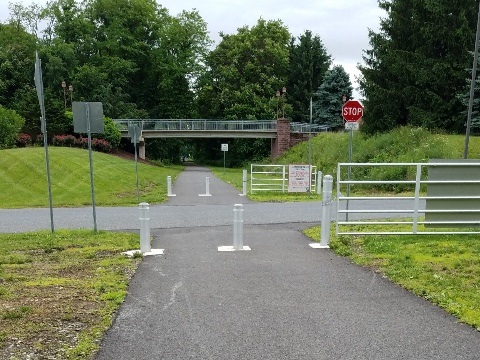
column 352, row 111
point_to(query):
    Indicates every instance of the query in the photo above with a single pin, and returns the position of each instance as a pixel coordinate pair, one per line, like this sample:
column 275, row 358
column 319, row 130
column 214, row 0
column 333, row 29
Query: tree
column 465, row 99
column 416, row 64
column 328, row 98
column 10, row 125
column 245, row 70
column 17, row 49
column 308, row 62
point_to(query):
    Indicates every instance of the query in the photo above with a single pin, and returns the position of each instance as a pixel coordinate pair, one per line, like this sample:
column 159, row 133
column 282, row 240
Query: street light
column 278, row 94
column 70, row 88
column 64, row 87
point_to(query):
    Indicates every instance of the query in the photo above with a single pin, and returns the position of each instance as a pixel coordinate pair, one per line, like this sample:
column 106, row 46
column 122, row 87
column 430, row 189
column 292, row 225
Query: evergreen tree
column 465, row 99
column 308, row 62
column 328, row 98
column 415, row 67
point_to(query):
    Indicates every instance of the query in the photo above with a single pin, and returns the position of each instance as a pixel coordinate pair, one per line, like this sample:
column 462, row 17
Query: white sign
column 299, row 178
column 352, row 125
column 224, row 147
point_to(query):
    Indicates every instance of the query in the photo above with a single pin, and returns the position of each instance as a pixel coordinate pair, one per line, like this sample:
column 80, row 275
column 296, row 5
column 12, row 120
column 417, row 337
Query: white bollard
column 319, row 182
column 238, row 227
column 144, row 228
column 169, row 186
column 326, row 205
column 244, row 193
column 207, row 186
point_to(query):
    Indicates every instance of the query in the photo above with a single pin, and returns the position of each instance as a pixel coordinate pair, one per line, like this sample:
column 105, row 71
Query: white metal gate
column 359, row 211
column 275, row 178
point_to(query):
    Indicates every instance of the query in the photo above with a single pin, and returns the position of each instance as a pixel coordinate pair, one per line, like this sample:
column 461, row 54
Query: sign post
column 88, row 118
column 135, row 133
column 352, row 112
column 224, row 149
column 39, row 86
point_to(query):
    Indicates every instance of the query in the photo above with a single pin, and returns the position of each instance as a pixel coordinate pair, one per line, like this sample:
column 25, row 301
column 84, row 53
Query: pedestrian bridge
column 283, row 133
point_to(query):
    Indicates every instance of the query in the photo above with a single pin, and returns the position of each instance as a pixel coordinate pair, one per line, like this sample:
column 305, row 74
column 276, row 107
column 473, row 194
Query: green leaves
column 416, row 66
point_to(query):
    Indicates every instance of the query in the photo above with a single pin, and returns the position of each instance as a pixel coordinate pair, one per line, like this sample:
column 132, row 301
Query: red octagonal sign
column 352, row 111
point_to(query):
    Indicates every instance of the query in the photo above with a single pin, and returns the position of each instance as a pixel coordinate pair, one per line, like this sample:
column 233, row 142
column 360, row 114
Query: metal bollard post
column 326, row 204
column 238, row 227
column 144, row 228
column 244, row 193
column 207, row 185
column 319, row 182
column 169, row 186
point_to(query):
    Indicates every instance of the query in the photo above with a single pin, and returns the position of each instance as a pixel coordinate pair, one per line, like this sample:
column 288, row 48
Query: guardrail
column 424, row 199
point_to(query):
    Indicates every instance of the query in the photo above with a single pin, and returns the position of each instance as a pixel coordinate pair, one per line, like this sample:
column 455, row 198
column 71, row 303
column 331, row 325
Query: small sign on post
column 88, row 118
column 224, row 149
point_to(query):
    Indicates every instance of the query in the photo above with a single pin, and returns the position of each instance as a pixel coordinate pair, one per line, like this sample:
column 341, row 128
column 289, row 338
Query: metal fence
column 275, row 178
column 371, row 202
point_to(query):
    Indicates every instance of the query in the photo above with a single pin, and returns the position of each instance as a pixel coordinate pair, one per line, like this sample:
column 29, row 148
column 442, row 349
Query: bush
column 10, row 125
column 64, row 140
column 110, row 132
column 24, row 140
column 101, row 145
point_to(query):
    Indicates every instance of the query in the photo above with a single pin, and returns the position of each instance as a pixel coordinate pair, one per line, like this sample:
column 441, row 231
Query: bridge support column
column 141, row 148
column 282, row 142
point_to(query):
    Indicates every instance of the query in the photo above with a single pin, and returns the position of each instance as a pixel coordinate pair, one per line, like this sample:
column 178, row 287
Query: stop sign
column 352, row 111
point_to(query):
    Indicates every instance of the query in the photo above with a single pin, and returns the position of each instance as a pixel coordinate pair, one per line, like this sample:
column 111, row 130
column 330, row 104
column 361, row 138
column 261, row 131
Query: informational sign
column 349, row 125
column 224, row 147
column 299, row 178
column 135, row 133
column 87, row 113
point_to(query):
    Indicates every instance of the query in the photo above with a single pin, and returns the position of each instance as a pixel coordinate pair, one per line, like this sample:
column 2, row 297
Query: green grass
column 23, row 180
column 444, row 269
column 62, row 288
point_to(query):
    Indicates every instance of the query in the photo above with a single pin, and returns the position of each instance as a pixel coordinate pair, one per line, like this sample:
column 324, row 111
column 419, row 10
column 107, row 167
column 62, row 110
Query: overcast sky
column 341, row 24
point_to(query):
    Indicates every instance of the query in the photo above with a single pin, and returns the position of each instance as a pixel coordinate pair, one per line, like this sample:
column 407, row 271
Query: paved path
column 281, row 300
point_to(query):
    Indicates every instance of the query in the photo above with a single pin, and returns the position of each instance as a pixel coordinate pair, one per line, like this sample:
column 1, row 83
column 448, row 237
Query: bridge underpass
column 282, row 133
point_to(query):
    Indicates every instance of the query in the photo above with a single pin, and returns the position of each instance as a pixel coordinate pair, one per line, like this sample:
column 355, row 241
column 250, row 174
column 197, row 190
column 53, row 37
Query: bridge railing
column 215, row 125
column 198, row 125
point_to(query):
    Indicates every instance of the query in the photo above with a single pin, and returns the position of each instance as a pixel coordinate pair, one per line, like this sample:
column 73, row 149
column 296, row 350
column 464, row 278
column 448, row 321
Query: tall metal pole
column 310, row 152
column 136, row 159
column 49, row 181
column 92, row 185
column 472, row 86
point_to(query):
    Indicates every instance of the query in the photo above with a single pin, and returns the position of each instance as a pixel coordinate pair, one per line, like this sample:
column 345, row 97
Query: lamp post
column 278, row 94
column 64, row 87
column 70, row 88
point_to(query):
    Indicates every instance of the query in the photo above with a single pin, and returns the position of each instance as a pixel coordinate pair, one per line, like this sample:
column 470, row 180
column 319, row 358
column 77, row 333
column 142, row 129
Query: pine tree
column 329, row 96
column 416, row 66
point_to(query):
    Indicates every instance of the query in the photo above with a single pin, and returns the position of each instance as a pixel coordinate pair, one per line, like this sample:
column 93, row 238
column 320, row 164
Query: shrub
column 24, row 140
column 64, row 140
column 101, row 145
column 10, row 125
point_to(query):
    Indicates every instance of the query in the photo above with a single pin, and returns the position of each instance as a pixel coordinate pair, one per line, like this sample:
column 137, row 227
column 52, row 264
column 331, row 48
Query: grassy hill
column 23, row 180
column 404, row 144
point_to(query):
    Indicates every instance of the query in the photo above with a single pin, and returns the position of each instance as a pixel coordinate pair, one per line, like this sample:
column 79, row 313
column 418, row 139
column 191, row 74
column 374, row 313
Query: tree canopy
column 417, row 63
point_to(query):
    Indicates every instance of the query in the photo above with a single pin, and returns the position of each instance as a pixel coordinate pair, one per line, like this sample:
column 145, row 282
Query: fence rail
column 440, row 203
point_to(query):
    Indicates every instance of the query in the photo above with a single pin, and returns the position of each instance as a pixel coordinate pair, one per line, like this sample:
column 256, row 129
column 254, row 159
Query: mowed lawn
column 23, row 178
